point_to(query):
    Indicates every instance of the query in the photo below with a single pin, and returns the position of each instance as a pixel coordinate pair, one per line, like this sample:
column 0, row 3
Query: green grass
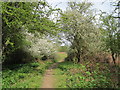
column 60, row 79
column 0, row 80
column 67, row 74
column 70, row 75
column 60, row 56
column 24, row 75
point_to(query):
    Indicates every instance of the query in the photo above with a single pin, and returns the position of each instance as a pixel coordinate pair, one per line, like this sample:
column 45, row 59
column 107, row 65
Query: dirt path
column 49, row 80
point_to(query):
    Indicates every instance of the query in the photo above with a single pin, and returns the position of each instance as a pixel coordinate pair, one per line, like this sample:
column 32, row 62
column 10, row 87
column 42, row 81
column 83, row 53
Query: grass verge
column 24, row 75
column 87, row 75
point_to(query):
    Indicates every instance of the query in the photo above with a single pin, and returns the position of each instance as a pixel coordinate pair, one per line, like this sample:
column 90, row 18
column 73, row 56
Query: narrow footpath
column 49, row 78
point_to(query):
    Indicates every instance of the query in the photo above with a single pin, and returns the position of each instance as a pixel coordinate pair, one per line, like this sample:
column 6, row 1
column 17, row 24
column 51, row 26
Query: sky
column 103, row 5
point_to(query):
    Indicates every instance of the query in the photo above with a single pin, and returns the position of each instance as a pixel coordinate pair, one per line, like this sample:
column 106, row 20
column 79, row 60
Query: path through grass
column 24, row 75
column 61, row 74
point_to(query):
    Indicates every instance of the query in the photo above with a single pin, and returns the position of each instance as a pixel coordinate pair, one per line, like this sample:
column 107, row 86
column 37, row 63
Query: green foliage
column 26, row 26
column 110, row 35
column 79, row 76
column 18, row 17
column 110, row 32
column 34, row 64
column 24, row 75
column 14, row 17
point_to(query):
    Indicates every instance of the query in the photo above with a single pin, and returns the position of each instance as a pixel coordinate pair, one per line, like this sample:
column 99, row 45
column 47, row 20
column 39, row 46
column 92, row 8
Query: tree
column 13, row 18
column 23, row 16
column 0, row 34
column 78, row 20
column 110, row 34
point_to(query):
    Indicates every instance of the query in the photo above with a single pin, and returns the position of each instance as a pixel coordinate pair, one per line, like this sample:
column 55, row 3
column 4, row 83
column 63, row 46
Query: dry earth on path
column 49, row 79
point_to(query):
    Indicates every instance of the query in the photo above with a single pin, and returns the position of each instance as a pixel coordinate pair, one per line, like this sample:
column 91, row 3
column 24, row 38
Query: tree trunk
column 0, row 41
column 113, row 58
column 78, row 56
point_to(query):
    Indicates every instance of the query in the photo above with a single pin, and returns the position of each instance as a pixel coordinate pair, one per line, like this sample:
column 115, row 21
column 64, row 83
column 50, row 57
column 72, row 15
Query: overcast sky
column 103, row 5
column 98, row 4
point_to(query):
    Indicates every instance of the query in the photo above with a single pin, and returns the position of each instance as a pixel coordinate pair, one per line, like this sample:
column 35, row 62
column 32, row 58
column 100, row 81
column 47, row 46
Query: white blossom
column 39, row 46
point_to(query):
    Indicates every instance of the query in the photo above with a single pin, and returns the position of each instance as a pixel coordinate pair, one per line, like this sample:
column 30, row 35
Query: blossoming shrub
column 40, row 47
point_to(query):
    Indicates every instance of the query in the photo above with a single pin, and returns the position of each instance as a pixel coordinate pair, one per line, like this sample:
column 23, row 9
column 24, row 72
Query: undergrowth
column 24, row 75
column 85, row 75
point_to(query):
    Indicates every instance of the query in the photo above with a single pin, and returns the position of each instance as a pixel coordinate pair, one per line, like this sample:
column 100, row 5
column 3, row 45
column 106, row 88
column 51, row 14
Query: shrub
column 34, row 64
column 39, row 47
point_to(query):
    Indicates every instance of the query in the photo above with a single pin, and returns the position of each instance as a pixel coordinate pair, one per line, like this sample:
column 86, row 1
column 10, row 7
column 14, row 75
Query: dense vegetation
column 85, row 75
column 24, row 75
column 21, row 19
column 32, row 34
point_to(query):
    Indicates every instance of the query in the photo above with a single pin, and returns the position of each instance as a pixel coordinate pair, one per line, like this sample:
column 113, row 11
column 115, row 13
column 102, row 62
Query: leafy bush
column 34, row 64
column 21, row 75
